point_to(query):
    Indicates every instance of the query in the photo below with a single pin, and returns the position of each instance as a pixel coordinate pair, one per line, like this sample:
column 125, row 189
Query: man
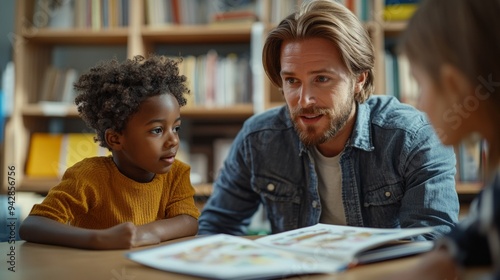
column 333, row 154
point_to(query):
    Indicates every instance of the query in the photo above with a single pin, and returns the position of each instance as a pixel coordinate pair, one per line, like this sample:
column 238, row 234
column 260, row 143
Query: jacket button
column 314, row 204
column 270, row 187
column 387, row 194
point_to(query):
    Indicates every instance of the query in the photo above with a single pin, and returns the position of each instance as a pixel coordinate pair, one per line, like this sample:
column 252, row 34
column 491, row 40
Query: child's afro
column 110, row 92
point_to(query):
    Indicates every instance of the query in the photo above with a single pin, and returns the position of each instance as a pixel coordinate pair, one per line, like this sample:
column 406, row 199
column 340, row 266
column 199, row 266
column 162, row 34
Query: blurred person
column 453, row 48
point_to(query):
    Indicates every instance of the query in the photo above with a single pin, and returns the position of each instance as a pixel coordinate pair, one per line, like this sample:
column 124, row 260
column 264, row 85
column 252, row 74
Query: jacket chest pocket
column 382, row 205
column 281, row 200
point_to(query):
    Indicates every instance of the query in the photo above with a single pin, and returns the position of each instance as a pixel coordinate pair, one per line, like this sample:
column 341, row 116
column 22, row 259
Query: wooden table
column 38, row 261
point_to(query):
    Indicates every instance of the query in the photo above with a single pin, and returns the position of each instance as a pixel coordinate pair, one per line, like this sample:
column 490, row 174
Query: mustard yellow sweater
column 94, row 194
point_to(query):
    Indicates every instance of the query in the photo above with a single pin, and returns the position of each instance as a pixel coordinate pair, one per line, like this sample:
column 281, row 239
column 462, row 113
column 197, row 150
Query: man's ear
column 454, row 83
column 113, row 139
column 360, row 82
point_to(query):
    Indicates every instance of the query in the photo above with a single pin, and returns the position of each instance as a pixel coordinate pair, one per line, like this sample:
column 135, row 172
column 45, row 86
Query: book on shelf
column 221, row 147
column 391, row 77
column 232, row 17
column 188, row 69
column 316, row 249
column 471, row 159
column 210, row 75
column 57, row 85
column 199, row 168
column 230, row 12
column 44, row 155
column 53, row 14
column 282, row 8
column 91, row 14
column 189, row 12
column 216, row 80
column 158, row 12
column 51, row 154
column 361, row 8
column 407, row 90
column 399, row 10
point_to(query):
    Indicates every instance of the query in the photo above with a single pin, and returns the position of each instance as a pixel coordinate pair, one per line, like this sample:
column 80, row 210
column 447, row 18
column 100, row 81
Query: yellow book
column 51, row 154
column 189, row 70
column 399, row 11
column 44, row 154
column 76, row 147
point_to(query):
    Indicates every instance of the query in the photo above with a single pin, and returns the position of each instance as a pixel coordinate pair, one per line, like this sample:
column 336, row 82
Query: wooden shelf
column 394, row 28
column 235, row 33
column 38, row 185
column 77, row 36
column 50, row 110
column 203, row 189
column 466, row 188
column 240, row 111
column 41, row 185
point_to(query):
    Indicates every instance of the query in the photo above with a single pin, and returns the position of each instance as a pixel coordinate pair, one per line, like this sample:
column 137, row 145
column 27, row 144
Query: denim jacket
column 395, row 173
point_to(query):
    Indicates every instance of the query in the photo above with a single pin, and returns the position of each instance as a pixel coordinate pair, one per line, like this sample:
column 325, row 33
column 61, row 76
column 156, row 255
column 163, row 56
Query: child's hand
column 121, row 236
column 125, row 236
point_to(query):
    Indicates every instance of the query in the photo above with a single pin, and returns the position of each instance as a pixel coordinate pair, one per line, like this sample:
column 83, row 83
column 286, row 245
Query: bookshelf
column 36, row 48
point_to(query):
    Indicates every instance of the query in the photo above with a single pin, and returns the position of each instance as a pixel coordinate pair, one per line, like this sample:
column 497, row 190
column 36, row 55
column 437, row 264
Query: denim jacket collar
column 361, row 136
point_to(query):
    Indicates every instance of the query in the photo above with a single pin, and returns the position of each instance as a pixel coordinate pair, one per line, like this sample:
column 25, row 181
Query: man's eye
column 290, row 80
column 322, row 79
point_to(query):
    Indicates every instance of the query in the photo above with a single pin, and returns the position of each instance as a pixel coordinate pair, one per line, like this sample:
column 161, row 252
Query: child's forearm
column 167, row 229
column 44, row 230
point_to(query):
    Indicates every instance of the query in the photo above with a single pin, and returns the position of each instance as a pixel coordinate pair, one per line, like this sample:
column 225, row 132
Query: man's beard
column 310, row 135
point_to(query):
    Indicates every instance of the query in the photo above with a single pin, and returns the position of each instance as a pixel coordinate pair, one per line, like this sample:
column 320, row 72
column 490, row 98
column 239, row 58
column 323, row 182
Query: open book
column 316, row 249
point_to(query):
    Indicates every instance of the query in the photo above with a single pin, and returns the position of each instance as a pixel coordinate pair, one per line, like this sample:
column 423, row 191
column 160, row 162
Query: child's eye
column 177, row 129
column 157, row 130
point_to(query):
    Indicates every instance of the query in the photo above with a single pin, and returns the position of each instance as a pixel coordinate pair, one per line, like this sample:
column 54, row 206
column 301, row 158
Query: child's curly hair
column 110, row 92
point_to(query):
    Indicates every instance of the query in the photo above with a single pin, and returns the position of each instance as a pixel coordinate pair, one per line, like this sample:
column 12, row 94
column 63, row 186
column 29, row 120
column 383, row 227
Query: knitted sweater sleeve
column 68, row 199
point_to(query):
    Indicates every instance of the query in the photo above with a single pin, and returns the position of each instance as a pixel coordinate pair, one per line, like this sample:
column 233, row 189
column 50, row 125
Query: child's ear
column 113, row 139
column 454, row 83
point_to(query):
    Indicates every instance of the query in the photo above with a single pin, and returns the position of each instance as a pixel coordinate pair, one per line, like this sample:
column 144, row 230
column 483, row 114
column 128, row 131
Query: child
column 453, row 47
column 140, row 194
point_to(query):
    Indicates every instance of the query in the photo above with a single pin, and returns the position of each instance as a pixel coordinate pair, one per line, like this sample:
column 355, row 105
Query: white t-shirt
column 330, row 188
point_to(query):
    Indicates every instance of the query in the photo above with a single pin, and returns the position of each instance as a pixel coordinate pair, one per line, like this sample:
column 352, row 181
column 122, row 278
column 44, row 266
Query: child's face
column 439, row 102
column 150, row 140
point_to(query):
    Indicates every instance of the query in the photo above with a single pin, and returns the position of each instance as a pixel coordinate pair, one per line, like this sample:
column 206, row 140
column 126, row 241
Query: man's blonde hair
column 331, row 21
